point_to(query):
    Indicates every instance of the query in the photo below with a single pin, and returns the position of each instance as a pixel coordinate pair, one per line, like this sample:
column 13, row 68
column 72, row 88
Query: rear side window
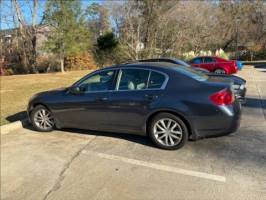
column 133, row 79
column 190, row 72
column 208, row 60
column 156, row 80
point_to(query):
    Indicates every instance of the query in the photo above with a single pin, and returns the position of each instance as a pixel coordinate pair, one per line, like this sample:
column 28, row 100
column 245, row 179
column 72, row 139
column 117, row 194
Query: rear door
column 209, row 63
column 136, row 92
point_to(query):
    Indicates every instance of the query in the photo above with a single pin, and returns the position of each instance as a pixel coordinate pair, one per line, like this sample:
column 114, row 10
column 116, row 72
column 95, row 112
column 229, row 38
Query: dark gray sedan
column 169, row 104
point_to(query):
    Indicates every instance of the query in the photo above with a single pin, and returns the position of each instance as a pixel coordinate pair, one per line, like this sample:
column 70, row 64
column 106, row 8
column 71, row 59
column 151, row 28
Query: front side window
column 156, row 80
column 132, row 79
column 101, row 81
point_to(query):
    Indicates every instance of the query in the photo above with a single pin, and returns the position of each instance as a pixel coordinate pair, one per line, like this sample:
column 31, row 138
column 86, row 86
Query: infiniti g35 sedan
column 239, row 84
column 167, row 103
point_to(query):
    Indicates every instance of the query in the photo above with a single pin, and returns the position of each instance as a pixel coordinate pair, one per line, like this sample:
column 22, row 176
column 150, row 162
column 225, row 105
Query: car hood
column 50, row 92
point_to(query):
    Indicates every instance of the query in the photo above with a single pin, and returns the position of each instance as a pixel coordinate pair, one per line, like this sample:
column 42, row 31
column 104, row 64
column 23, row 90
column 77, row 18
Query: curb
column 5, row 129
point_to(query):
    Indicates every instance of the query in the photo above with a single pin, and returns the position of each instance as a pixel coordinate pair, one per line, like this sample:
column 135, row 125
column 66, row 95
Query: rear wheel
column 168, row 131
column 220, row 71
column 42, row 119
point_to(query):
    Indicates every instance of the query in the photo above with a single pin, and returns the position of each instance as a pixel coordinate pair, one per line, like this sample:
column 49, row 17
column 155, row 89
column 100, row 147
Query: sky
column 6, row 11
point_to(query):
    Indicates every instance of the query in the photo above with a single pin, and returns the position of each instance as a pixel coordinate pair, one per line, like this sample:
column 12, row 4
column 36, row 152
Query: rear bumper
column 225, row 122
column 241, row 95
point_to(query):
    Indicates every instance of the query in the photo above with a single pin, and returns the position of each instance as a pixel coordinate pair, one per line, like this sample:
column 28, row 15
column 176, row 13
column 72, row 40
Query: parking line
column 159, row 166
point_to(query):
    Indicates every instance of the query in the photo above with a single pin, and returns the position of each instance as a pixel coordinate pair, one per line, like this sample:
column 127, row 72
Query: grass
column 16, row 91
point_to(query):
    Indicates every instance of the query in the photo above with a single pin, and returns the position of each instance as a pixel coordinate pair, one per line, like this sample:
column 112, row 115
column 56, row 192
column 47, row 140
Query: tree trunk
column 62, row 64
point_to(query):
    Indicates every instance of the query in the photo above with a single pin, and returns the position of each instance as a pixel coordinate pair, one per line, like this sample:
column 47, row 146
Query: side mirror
column 75, row 90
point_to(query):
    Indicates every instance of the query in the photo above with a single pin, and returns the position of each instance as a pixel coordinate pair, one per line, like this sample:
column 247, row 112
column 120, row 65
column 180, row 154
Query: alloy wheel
column 168, row 132
column 43, row 119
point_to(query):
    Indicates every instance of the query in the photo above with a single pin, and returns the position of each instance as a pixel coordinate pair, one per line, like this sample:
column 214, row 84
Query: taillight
column 223, row 97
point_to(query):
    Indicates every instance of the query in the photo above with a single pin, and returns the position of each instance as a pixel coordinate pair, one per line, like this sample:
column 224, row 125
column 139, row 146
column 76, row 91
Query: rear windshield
column 188, row 71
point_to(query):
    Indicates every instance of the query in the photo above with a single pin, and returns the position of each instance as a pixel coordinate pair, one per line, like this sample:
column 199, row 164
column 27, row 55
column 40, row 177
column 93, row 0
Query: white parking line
column 159, row 166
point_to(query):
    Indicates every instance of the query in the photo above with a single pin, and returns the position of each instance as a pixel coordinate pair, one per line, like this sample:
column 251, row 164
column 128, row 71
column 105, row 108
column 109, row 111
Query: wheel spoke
column 162, row 122
column 176, row 132
column 160, row 127
column 159, row 132
column 175, row 136
column 169, row 124
column 159, row 138
column 171, row 140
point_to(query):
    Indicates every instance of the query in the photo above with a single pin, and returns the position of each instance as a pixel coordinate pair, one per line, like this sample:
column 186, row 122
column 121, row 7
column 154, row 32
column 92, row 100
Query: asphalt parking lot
column 72, row 164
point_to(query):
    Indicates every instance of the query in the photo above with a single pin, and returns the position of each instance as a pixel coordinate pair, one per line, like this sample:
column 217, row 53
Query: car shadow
column 17, row 116
column 144, row 140
column 259, row 65
column 255, row 103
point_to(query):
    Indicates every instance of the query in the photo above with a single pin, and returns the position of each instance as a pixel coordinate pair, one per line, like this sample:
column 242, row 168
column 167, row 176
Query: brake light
column 223, row 97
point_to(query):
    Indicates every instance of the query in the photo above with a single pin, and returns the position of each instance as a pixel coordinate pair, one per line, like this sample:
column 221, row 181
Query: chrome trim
column 119, row 78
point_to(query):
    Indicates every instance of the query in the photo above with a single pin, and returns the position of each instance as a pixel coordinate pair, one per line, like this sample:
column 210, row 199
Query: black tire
column 35, row 124
column 176, row 119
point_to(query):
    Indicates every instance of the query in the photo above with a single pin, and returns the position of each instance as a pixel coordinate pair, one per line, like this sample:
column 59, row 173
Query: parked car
column 239, row 84
column 169, row 104
column 215, row 64
column 239, row 65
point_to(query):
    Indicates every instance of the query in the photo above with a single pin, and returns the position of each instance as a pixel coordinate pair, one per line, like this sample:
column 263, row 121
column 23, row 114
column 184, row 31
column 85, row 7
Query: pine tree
column 69, row 34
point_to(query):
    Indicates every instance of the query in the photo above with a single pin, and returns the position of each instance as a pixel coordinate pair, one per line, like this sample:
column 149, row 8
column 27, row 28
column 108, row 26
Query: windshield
column 183, row 63
column 188, row 71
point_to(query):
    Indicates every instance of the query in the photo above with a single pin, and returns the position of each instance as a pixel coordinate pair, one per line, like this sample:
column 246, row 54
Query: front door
column 87, row 109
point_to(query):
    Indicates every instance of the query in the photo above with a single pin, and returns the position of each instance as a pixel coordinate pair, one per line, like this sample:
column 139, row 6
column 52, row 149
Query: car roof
column 165, row 66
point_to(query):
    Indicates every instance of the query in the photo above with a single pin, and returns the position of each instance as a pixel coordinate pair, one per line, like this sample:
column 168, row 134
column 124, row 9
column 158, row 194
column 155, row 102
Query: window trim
column 117, row 77
column 139, row 68
column 95, row 73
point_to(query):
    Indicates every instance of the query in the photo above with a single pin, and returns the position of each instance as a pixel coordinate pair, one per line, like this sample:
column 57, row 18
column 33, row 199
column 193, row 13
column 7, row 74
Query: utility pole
column 236, row 47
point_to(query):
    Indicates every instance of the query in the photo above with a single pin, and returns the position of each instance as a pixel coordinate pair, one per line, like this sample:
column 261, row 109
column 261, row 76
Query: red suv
column 215, row 64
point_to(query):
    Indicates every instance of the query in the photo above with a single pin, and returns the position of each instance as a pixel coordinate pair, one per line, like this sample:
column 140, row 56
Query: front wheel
column 168, row 131
column 42, row 119
column 220, row 71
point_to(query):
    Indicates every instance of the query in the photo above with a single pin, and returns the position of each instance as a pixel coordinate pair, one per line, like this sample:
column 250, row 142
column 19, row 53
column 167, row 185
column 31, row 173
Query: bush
column 80, row 62
column 48, row 64
column 192, row 54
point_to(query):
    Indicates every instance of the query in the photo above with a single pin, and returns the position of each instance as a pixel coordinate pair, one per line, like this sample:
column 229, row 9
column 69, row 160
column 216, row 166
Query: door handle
column 101, row 99
column 150, row 96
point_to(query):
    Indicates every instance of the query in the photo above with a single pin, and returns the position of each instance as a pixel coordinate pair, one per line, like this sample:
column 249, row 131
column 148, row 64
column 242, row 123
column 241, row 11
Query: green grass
column 16, row 91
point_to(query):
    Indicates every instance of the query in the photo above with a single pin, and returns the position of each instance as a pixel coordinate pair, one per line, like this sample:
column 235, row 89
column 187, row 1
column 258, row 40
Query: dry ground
column 16, row 90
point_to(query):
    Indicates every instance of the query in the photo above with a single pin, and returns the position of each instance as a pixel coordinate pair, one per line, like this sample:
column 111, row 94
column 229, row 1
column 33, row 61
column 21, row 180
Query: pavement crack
column 61, row 176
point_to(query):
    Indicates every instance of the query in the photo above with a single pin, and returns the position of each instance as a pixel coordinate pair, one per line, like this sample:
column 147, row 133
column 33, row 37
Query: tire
column 42, row 119
column 219, row 71
column 176, row 130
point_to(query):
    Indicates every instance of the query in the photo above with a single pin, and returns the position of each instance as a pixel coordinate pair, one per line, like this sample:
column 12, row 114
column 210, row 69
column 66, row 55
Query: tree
column 98, row 19
column 69, row 35
column 26, row 35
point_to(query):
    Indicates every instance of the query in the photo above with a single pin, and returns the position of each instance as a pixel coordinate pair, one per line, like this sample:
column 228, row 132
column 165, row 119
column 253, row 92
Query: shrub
column 192, row 54
column 80, row 62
